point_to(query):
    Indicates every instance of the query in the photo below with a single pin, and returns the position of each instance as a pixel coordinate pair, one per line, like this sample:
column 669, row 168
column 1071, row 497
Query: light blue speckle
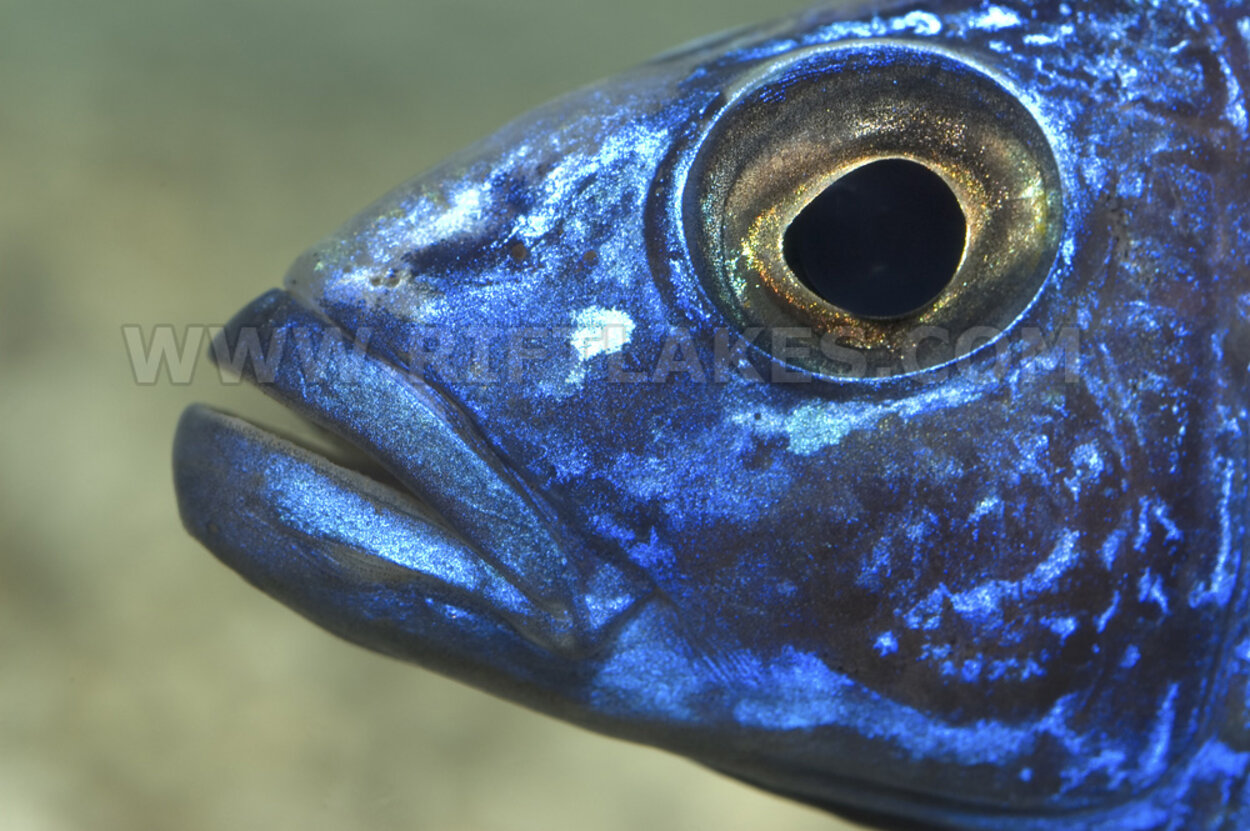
column 1105, row 617
column 1161, row 736
column 985, row 506
column 920, row 22
column 1040, row 40
column 1150, row 587
column 1061, row 626
column 1111, row 547
column 814, row 426
column 1242, row 650
column 1218, row 587
column 981, row 604
column 995, row 18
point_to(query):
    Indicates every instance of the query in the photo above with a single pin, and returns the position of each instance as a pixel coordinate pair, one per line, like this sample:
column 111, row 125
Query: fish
column 854, row 404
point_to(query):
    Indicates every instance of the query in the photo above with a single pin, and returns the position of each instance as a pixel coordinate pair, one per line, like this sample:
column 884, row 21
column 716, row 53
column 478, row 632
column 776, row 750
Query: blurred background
column 161, row 162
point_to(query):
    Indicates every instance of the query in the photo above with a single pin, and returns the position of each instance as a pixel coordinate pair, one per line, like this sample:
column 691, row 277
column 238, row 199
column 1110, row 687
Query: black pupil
column 882, row 241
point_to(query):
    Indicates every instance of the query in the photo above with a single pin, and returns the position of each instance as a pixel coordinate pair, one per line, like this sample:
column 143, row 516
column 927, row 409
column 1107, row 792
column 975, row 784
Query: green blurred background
column 161, row 162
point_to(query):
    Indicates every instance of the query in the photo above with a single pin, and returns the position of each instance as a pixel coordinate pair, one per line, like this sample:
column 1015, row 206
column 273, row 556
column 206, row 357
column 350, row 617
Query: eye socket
column 867, row 193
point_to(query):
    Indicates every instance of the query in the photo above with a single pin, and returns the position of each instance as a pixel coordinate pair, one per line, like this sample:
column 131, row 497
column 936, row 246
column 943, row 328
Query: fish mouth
column 406, row 508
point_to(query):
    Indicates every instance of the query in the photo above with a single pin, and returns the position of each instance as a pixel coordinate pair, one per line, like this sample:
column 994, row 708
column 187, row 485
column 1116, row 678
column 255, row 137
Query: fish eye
column 869, row 196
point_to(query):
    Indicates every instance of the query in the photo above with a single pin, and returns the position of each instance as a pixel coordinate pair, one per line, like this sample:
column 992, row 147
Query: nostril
column 388, row 279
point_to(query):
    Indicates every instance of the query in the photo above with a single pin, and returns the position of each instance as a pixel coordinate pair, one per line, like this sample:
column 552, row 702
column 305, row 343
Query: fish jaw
column 448, row 546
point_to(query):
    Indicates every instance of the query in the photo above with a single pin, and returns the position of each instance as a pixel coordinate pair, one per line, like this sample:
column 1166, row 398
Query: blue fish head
column 853, row 404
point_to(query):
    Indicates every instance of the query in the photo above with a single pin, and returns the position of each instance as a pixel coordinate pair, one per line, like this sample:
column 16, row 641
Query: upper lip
column 450, row 519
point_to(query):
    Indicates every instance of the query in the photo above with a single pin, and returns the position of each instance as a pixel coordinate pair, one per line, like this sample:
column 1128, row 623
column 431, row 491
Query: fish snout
column 416, row 540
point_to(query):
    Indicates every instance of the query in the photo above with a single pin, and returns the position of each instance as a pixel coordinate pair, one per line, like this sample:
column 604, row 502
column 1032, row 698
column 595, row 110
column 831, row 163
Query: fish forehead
column 1142, row 105
column 1019, row 554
